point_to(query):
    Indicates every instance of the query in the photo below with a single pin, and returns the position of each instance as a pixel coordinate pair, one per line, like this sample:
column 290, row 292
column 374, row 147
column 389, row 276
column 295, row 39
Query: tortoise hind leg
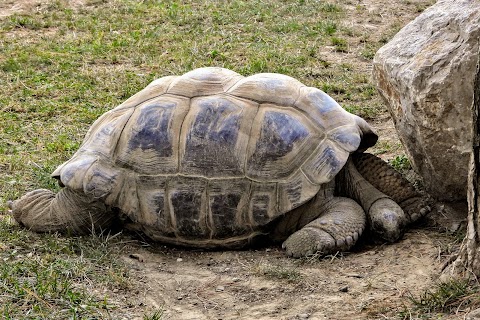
column 338, row 228
column 67, row 211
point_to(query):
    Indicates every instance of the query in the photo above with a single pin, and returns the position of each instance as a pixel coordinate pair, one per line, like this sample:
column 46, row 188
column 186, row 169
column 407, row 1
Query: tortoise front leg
column 386, row 218
column 340, row 224
column 67, row 211
column 389, row 181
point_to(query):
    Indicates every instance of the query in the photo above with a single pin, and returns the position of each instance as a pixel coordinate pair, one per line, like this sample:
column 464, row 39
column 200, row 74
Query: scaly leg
column 67, row 211
column 340, row 224
column 386, row 179
column 386, row 218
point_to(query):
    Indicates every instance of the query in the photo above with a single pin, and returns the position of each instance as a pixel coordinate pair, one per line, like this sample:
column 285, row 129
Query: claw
column 308, row 241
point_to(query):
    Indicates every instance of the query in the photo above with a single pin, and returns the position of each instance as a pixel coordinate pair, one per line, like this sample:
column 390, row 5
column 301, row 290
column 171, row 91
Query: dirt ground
column 372, row 282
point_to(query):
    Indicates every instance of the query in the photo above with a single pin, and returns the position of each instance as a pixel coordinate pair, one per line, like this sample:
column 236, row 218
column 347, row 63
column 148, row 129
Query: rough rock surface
column 426, row 74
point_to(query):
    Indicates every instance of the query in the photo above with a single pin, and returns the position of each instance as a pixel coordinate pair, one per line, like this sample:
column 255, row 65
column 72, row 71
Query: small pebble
column 138, row 257
column 179, row 259
column 220, row 288
column 354, row 275
column 303, row 316
column 343, row 289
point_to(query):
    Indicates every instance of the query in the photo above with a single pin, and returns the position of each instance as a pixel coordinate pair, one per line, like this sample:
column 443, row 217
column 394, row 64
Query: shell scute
column 153, row 203
column 344, row 133
column 324, row 164
column 268, row 87
column 103, row 135
column 348, row 137
column 263, row 203
column 153, row 133
column 186, row 200
column 295, row 191
column 203, row 82
column 214, row 136
column 72, row 172
column 322, row 109
column 100, row 180
column 149, row 142
column 281, row 140
column 228, row 205
column 156, row 88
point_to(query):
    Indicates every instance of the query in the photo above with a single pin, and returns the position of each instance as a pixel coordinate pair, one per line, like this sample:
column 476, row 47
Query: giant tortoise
column 212, row 159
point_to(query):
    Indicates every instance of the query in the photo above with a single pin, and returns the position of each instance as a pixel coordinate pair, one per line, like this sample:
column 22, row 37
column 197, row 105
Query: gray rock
column 426, row 74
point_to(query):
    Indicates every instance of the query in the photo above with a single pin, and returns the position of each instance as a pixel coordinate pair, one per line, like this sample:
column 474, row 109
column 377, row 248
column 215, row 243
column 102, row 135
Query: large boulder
column 426, row 75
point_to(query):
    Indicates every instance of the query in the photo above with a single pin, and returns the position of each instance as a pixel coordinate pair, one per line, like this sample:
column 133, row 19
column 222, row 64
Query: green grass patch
column 49, row 276
column 330, row 7
column 401, row 163
column 155, row 315
column 453, row 296
column 340, row 44
column 275, row 272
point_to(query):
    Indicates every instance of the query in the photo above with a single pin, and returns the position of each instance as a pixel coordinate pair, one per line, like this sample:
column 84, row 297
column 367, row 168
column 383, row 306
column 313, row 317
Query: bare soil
column 373, row 281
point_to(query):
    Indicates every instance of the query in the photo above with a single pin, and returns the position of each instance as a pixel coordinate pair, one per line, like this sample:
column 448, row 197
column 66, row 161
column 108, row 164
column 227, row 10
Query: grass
column 276, row 272
column 340, row 44
column 64, row 64
column 401, row 163
column 453, row 296
column 49, row 276
column 155, row 315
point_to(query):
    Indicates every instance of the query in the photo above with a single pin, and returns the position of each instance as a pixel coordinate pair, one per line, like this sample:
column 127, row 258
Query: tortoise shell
column 214, row 155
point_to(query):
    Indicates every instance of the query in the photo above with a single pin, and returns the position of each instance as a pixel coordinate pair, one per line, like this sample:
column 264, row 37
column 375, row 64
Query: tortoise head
column 368, row 135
